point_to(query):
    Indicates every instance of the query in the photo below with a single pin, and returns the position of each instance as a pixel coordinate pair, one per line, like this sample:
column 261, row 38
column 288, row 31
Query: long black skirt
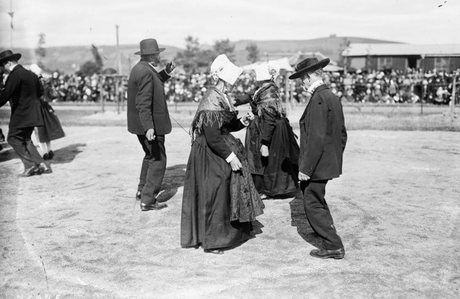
column 278, row 171
column 51, row 129
column 206, row 204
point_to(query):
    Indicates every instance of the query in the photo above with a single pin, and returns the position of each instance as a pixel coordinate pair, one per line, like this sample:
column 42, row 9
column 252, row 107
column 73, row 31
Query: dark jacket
column 147, row 108
column 23, row 90
column 323, row 136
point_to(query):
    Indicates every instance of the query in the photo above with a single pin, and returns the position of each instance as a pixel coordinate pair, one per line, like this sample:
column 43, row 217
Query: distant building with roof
column 292, row 59
column 402, row 56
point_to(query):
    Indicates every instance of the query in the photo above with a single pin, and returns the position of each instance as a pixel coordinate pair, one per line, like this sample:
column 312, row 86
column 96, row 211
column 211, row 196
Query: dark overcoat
column 23, row 90
column 323, row 136
column 147, row 108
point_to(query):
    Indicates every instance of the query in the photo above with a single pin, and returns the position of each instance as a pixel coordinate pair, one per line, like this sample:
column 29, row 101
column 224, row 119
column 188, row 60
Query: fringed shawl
column 213, row 107
column 268, row 97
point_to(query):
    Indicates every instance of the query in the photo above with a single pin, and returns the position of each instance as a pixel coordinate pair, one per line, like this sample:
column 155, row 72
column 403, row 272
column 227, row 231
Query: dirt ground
column 78, row 232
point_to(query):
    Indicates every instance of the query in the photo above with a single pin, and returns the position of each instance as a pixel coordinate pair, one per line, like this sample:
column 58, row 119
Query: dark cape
column 51, row 129
column 270, row 126
column 218, row 204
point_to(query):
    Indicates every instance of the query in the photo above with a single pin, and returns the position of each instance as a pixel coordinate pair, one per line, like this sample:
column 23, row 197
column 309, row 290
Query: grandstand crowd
column 388, row 87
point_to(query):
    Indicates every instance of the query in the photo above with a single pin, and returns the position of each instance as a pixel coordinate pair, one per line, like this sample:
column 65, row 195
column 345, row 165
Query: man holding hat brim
column 323, row 137
column 148, row 118
column 23, row 90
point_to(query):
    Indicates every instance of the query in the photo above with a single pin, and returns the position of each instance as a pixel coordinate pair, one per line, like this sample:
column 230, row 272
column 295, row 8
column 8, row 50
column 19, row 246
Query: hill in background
column 331, row 47
column 68, row 59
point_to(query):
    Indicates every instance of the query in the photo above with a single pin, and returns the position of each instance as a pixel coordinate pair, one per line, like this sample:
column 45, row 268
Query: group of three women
column 225, row 180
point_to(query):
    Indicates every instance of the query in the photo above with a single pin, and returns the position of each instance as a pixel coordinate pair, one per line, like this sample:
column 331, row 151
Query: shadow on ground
column 63, row 155
column 173, row 179
column 299, row 220
column 67, row 154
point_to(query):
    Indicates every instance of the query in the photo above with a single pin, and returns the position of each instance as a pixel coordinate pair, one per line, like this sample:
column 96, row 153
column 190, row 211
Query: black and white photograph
column 184, row 149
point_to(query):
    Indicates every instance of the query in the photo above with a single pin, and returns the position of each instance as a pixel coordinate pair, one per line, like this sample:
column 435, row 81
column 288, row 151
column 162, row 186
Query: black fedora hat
column 8, row 55
column 149, row 46
column 310, row 64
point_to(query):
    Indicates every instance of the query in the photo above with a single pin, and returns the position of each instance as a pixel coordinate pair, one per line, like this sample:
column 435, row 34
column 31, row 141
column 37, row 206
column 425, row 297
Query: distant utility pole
column 11, row 13
column 118, row 53
column 454, row 94
column 424, row 82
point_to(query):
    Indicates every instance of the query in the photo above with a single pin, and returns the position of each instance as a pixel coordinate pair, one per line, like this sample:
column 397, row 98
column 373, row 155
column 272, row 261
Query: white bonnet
column 224, row 69
column 35, row 69
column 265, row 71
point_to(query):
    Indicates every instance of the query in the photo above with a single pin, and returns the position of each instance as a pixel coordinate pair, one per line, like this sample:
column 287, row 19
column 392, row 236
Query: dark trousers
column 318, row 213
column 20, row 141
column 153, row 168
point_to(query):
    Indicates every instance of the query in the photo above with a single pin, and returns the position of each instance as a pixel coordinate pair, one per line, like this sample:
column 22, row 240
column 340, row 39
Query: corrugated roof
column 278, row 64
column 402, row 49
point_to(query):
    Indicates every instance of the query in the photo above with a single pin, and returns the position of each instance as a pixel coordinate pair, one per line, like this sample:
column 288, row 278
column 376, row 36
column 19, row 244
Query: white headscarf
column 224, row 69
column 265, row 71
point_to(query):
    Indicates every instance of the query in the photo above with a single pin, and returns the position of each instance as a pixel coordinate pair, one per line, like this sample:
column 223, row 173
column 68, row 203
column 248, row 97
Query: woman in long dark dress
column 220, row 200
column 51, row 129
column 271, row 145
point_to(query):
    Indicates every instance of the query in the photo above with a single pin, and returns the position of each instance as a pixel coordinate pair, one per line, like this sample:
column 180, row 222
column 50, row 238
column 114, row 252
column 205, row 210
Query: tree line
column 195, row 58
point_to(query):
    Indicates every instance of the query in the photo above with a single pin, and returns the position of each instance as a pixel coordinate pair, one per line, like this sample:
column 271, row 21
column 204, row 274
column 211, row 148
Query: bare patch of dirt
column 78, row 232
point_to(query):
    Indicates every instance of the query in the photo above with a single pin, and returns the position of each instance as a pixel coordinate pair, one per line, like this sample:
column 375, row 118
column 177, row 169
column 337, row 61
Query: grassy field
column 358, row 117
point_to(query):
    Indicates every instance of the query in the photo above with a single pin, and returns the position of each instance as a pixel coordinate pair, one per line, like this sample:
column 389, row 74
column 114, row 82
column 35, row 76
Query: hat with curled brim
column 149, row 46
column 8, row 55
column 310, row 64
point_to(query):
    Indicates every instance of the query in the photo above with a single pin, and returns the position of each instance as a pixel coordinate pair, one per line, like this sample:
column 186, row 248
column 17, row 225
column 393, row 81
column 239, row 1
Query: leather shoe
column 30, row 171
column 44, row 168
column 324, row 253
column 153, row 206
column 138, row 195
column 214, row 251
column 48, row 156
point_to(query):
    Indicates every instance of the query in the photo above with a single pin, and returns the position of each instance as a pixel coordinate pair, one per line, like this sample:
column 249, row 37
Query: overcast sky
column 85, row 22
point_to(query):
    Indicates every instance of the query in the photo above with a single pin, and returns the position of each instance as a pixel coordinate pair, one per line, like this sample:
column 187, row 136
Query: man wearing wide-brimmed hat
column 322, row 141
column 148, row 118
column 23, row 90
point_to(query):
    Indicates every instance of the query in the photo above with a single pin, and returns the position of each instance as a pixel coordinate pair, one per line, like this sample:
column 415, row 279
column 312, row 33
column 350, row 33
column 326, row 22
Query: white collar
column 12, row 67
column 314, row 86
column 151, row 64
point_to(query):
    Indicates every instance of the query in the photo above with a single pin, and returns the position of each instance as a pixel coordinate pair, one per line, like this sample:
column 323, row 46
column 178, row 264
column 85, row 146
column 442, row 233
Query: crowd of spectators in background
column 395, row 87
column 385, row 87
